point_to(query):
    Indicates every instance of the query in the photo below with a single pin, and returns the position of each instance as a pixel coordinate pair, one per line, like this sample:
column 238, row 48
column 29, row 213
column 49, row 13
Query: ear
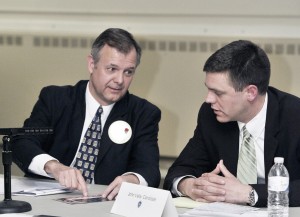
column 90, row 62
column 251, row 92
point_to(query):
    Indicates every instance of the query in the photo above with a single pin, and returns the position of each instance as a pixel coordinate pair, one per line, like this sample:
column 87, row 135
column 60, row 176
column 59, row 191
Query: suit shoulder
column 284, row 99
column 66, row 91
column 138, row 102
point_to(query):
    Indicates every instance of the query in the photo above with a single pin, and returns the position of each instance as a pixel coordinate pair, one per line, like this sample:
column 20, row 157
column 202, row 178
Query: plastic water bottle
column 278, row 189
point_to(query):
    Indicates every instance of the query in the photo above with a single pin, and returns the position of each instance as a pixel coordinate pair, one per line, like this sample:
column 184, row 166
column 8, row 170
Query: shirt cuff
column 255, row 196
column 140, row 178
column 38, row 163
column 176, row 181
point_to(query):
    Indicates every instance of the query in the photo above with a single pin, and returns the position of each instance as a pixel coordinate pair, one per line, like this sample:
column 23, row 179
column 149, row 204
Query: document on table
column 186, row 202
column 15, row 215
column 219, row 209
column 24, row 215
column 30, row 187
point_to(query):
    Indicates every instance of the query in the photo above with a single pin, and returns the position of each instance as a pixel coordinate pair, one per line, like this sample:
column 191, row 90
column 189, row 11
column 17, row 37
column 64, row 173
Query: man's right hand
column 67, row 176
column 201, row 189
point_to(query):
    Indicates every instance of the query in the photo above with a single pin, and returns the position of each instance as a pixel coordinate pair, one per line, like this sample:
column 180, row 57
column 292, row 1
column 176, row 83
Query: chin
column 222, row 119
column 116, row 99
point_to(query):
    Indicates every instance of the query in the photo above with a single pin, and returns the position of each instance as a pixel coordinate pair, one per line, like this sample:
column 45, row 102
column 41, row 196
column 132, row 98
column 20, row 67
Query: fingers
column 113, row 188
column 224, row 170
column 210, row 190
column 217, row 169
column 220, row 168
column 212, row 179
column 111, row 191
column 72, row 178
column 67, row 176
column 82, row 186
column 208, row 193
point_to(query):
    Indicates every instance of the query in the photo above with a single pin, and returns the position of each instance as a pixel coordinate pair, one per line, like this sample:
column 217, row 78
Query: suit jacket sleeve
column 194, row 158
column 145, row 155
column 25, row 148
column 63, row 109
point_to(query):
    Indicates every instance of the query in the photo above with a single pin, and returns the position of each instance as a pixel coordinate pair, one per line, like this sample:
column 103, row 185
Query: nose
column 210, row 98
column 119, row 77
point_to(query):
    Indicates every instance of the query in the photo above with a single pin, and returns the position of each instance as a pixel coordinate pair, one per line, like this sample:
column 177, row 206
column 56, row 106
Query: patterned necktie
column 87, row 155
column 247, row 171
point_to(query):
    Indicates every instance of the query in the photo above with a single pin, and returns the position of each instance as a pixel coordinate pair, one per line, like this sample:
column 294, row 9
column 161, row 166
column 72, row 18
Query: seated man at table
column 102, row 133
column 213, row 166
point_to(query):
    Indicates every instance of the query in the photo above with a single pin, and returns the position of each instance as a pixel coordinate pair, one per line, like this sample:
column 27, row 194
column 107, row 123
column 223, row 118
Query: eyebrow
column 116, row 66
column 214, row 89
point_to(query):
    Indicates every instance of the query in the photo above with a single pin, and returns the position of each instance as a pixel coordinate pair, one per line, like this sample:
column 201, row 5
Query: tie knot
column 100, row 110
column 97, row 116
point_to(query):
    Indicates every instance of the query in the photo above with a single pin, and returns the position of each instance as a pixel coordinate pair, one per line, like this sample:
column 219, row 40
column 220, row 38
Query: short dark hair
column 119, row 39
column 245, row 62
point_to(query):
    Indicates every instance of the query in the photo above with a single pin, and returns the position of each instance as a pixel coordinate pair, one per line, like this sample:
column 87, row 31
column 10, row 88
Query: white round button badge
column 119, row 132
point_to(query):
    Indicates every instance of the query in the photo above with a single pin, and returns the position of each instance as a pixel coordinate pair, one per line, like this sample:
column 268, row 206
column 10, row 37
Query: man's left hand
column 236, row 192
column 113, row 188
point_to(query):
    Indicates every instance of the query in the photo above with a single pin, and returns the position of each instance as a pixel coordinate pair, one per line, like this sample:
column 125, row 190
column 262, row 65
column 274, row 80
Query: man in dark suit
column 237, row 79
column 128, row 150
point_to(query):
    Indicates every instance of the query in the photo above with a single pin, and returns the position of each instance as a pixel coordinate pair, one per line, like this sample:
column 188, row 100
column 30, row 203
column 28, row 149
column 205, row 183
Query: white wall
column 268, row 18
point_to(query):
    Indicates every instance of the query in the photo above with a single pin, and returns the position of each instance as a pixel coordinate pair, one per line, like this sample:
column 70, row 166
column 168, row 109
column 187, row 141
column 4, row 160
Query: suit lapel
column 117, row 113
column 231, row 149
column 76, row 124
column 271, row 131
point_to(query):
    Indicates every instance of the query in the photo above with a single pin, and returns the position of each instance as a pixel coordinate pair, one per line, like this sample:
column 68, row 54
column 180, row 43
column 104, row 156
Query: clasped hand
column 212, row 187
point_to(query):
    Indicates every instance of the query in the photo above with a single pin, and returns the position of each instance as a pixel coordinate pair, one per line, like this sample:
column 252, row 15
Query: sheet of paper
column 30, row 187
column 41, row 191
column 258, row 213
column 15, row 215
column 219, row 209
column 186, row 202
column 24, row 215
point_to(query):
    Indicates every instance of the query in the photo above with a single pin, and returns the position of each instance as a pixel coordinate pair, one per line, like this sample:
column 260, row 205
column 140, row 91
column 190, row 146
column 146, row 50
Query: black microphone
column 26, row 131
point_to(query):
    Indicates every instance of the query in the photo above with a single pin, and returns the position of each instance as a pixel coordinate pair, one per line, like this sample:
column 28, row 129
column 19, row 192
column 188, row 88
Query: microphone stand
column 8, row 205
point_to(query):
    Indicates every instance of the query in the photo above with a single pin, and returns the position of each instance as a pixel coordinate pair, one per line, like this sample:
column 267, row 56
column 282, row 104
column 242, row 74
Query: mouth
column 116, row 89
column 216, row 111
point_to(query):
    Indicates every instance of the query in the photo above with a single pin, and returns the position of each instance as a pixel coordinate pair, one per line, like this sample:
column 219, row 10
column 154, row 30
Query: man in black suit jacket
column 69, row 110
column 237, row 79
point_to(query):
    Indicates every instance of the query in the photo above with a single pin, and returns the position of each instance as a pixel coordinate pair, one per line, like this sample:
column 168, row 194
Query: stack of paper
column 219, row 209
column 30, row 187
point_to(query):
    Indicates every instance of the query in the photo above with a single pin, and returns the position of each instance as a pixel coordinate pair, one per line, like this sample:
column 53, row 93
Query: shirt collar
column 92, row 105
column 257, row 124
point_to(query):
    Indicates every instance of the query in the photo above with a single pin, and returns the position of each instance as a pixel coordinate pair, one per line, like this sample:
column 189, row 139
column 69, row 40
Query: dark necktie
column 87, row 155
column 247, row 171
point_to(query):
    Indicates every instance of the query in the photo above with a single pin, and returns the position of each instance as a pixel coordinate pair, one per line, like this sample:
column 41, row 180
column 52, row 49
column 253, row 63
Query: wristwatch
column 251, row 197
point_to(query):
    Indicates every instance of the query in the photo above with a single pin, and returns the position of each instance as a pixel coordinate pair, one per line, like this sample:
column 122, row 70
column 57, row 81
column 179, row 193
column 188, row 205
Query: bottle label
column 278, row 183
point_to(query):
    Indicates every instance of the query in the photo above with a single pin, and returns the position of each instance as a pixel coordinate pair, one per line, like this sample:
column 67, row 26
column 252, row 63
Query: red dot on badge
column 126, row 130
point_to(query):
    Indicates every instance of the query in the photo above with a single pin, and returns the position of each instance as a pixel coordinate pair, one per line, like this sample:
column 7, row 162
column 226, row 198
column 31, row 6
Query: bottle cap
column 278, row 160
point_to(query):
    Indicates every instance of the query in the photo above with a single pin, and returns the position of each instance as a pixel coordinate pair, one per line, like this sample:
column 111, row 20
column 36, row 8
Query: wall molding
column 231, row 18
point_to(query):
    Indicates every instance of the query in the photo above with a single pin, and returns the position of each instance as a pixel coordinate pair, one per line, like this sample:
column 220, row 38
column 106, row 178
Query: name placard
column 137, row 200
